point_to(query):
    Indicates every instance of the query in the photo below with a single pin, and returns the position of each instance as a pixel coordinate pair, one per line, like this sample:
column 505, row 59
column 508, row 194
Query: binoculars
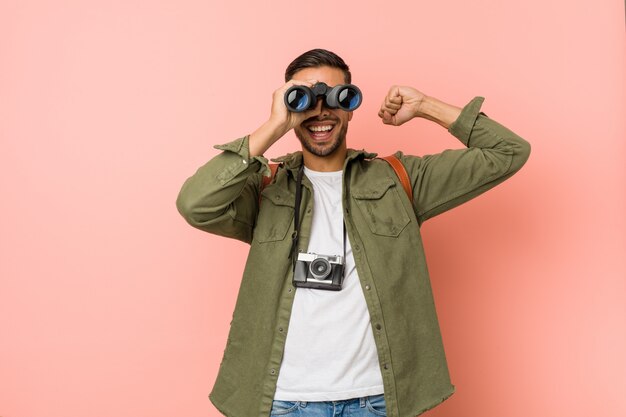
column 299, row 98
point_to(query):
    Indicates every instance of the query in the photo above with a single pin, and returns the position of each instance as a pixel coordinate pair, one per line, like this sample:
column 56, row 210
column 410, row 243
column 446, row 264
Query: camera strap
column 296, row 231
column 296, row 223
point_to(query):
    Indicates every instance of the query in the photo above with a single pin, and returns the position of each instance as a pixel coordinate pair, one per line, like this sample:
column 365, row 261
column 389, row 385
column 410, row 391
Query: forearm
column 265, row 136
column 493, row 153
column 436, row 110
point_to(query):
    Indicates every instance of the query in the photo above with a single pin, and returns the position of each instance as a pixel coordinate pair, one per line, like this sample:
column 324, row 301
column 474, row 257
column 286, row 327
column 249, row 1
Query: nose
column 324, row 112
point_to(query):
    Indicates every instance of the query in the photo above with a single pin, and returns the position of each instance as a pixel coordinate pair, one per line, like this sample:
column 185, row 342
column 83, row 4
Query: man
column 373, row 347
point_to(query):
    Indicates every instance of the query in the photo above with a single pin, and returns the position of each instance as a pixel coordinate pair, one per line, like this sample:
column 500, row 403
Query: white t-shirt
column 330, row 353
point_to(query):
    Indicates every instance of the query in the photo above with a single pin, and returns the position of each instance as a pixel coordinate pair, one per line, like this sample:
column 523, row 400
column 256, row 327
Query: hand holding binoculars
column 300, row 98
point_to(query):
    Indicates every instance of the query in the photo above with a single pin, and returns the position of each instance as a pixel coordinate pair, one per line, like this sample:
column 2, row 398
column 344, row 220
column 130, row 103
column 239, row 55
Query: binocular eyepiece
column 300, row 98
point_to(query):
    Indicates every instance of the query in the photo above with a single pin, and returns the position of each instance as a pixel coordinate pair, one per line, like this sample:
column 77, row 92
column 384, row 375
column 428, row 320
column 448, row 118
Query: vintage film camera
column 318, row 271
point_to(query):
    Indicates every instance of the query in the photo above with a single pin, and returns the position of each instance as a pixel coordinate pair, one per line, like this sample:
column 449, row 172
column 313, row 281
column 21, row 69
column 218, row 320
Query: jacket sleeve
column 445, row 180
column 222, row 197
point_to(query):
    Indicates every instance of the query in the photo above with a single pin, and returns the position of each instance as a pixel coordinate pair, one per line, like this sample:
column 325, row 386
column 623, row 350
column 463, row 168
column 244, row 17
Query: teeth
column 320, row 128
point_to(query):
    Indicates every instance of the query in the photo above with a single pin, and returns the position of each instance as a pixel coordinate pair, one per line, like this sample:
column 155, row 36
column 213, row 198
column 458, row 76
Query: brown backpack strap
column 267, row 180
column 401, row 173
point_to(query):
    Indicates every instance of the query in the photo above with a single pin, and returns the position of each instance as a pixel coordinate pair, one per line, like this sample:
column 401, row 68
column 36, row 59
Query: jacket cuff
column 240, row 148
column 462, row 127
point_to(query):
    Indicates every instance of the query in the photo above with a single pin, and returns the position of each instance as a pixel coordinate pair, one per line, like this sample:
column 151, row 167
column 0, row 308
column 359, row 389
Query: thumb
column 387, row 117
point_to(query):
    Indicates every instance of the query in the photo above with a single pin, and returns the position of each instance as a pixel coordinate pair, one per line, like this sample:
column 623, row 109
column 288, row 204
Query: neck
column 328, row 163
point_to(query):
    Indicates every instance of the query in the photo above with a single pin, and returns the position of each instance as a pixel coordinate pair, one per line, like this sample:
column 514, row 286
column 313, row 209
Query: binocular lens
column 349, row 99
column 297, row 100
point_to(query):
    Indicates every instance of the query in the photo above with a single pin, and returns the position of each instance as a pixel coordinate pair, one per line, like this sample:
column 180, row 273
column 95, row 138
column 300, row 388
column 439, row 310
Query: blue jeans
column 370, row 406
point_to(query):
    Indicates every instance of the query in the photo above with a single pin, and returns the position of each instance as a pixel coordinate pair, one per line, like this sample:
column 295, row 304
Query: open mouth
column 320, row 132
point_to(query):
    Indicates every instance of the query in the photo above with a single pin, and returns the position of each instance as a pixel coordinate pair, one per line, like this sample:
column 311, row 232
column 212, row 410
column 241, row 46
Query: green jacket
column 222, row 197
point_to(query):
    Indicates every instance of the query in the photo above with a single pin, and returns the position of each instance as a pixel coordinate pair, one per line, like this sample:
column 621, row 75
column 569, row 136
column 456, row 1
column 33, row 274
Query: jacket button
column 289, row 290
column 280, row 329
column 386, row 366
column 367, row 287
column 273, row 371
column 378, row 326
column 356, row 247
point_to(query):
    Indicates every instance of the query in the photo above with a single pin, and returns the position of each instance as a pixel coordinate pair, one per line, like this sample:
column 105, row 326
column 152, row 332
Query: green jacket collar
column 293, row 161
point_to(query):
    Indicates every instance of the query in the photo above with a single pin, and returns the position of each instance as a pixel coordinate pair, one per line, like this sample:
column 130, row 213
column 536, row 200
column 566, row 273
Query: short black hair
column 318, row 58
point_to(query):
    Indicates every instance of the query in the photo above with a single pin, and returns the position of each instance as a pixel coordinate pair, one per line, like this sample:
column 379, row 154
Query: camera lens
column 349, row 99
column 320, row 268
column 297, row 99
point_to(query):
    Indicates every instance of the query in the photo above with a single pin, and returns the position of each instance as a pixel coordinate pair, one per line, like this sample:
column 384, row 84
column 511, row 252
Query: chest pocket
column 381, row 206
column 275, row 214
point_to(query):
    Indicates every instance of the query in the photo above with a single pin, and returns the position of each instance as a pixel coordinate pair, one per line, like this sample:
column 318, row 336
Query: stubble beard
column 322, row 150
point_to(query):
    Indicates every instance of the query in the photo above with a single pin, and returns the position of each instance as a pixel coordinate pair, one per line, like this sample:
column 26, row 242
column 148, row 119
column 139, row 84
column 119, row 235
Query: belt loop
column 362, row 401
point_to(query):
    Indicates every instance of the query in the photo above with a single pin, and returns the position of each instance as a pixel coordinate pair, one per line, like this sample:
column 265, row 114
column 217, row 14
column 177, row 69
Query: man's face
column 323, row 134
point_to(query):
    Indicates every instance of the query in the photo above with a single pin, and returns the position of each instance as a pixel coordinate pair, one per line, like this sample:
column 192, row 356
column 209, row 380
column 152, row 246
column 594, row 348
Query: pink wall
column 111, row 305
